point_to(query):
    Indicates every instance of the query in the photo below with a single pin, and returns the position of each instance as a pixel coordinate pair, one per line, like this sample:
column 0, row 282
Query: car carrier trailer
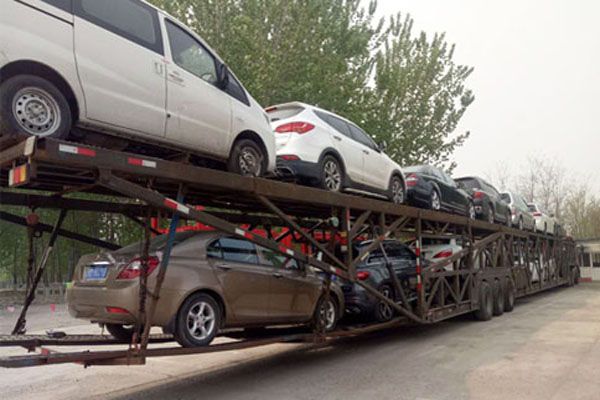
column 497, row 262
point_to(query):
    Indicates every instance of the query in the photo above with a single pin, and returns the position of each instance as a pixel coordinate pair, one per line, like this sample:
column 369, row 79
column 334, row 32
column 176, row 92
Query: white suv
column 127, row 69
column 320, row 148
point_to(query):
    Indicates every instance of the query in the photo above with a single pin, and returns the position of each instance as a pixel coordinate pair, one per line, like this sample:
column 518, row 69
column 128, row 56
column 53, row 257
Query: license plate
column 96, row 272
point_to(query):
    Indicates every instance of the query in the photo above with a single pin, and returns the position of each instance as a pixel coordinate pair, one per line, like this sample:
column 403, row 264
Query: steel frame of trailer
column 526, row 261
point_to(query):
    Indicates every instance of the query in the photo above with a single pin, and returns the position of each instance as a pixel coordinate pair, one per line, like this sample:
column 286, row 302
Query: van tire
column 33, row 106
column 252, row 165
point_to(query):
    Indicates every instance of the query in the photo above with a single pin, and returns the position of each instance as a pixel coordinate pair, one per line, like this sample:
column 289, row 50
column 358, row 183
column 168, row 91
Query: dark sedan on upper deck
column 489, row 205
column 430, row 187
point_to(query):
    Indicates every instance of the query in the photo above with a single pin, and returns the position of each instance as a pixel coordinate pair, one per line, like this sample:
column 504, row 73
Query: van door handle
column 158, row 67
column 339, row 139
column 174, row 75
column 223, row 267
column 277, row 275
column 366, row 151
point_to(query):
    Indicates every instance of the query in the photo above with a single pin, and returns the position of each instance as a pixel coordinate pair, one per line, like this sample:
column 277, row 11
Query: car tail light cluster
column 478, row 194
column 116, row 310
column 289, row 157
column 411, row 180
column 134, row 268
column 443, row 254
column 295, row 127
column 537, row 214
column 362, row 275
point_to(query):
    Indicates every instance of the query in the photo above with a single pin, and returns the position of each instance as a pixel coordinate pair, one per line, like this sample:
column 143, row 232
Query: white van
column 127, row 69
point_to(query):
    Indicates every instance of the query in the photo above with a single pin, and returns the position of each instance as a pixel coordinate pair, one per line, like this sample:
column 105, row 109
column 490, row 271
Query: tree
column 419, row 97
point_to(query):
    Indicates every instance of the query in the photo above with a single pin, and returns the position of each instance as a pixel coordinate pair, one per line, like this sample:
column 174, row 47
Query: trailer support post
column 21, row 321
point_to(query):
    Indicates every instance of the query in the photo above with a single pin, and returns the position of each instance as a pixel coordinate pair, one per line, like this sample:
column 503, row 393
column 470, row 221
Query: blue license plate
column 96, row 272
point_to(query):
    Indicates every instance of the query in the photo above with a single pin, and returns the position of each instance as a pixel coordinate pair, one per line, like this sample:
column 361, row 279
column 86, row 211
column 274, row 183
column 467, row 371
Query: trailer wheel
column 509, row 296
column 33, row 106
column 123, row 333
column 197, row 321
column 498, row 298
column 575, row 276
column 486, row 303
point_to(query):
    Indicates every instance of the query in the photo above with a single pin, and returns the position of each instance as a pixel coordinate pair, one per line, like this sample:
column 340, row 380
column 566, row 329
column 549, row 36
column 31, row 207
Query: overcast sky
column 536, row 79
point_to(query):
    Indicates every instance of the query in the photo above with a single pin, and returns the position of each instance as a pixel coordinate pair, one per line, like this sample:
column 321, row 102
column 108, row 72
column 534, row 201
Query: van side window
column 190, row 55
column 130, row 19
column 235, row 90
column 65, row 5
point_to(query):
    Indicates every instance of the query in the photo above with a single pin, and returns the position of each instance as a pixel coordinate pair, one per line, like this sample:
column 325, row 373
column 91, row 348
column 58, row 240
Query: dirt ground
column 547, row 348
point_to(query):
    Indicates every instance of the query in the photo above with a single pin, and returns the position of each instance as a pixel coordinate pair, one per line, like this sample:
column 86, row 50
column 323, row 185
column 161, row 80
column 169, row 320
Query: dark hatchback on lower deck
column 374, row 272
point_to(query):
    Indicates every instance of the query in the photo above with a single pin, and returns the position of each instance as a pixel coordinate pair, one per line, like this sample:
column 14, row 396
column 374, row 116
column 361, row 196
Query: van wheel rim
column 201, row 320
column 333, row 176
column 250, row 162
column 397, row 192
column 435, row 201
column 327, row 315
column 36, row 111
column 385, row 309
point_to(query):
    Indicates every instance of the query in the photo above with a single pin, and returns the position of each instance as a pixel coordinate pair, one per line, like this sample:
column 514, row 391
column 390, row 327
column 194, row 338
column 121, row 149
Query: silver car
column 521, row 216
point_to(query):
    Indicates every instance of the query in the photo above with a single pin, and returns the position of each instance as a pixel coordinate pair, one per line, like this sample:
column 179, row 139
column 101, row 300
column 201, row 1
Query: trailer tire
column 498, row 298
column 121, row 332
column 486, row 303
column 509, row 296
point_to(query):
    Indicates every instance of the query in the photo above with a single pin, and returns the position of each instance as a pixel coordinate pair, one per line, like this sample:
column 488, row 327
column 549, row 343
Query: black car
column 488, row 202
column 430, row 187
column 373, row 271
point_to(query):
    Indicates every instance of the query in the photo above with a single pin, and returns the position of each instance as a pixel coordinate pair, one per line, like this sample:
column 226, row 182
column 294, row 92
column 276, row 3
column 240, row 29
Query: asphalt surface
column 547, row 348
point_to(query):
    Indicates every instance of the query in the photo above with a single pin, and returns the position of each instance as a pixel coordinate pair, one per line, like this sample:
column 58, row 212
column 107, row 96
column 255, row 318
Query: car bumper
column 419, row 197
column 358, row 301
column 298, row 169
column 92, row 303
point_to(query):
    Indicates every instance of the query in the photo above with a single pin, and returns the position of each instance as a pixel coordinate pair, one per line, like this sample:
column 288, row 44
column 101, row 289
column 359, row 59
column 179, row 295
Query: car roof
column 312, row 108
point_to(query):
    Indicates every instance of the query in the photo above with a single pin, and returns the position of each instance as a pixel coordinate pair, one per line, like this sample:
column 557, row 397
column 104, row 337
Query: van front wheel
column 33, row 106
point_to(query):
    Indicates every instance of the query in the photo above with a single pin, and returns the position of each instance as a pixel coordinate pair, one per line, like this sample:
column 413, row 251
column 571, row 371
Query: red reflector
column 116, row 310
column 270, row 109
column 443, row 254
column 296, row 127
column 537, row 214
column 134, row 268
column 362, row 275
column 289, row 157
column 478, row 195
column 86, row 152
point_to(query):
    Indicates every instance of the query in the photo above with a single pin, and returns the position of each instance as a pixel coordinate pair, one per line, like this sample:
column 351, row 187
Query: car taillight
column 296, row 127
column 270, row 109
column 478, row 195
column 362, row 275
column 412, row 180
column 289, row 157
column 537, row 214
column 134, row 268
column 116, row 310
column 443, row 254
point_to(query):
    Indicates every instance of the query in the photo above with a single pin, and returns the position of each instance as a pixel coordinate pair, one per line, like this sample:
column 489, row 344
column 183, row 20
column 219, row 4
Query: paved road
column 548, row 348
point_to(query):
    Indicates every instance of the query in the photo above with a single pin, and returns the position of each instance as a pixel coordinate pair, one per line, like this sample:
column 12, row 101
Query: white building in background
column 590, row 258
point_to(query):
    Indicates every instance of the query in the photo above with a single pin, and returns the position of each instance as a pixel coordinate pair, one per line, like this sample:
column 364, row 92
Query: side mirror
column 382, row 145
column 222, row 75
